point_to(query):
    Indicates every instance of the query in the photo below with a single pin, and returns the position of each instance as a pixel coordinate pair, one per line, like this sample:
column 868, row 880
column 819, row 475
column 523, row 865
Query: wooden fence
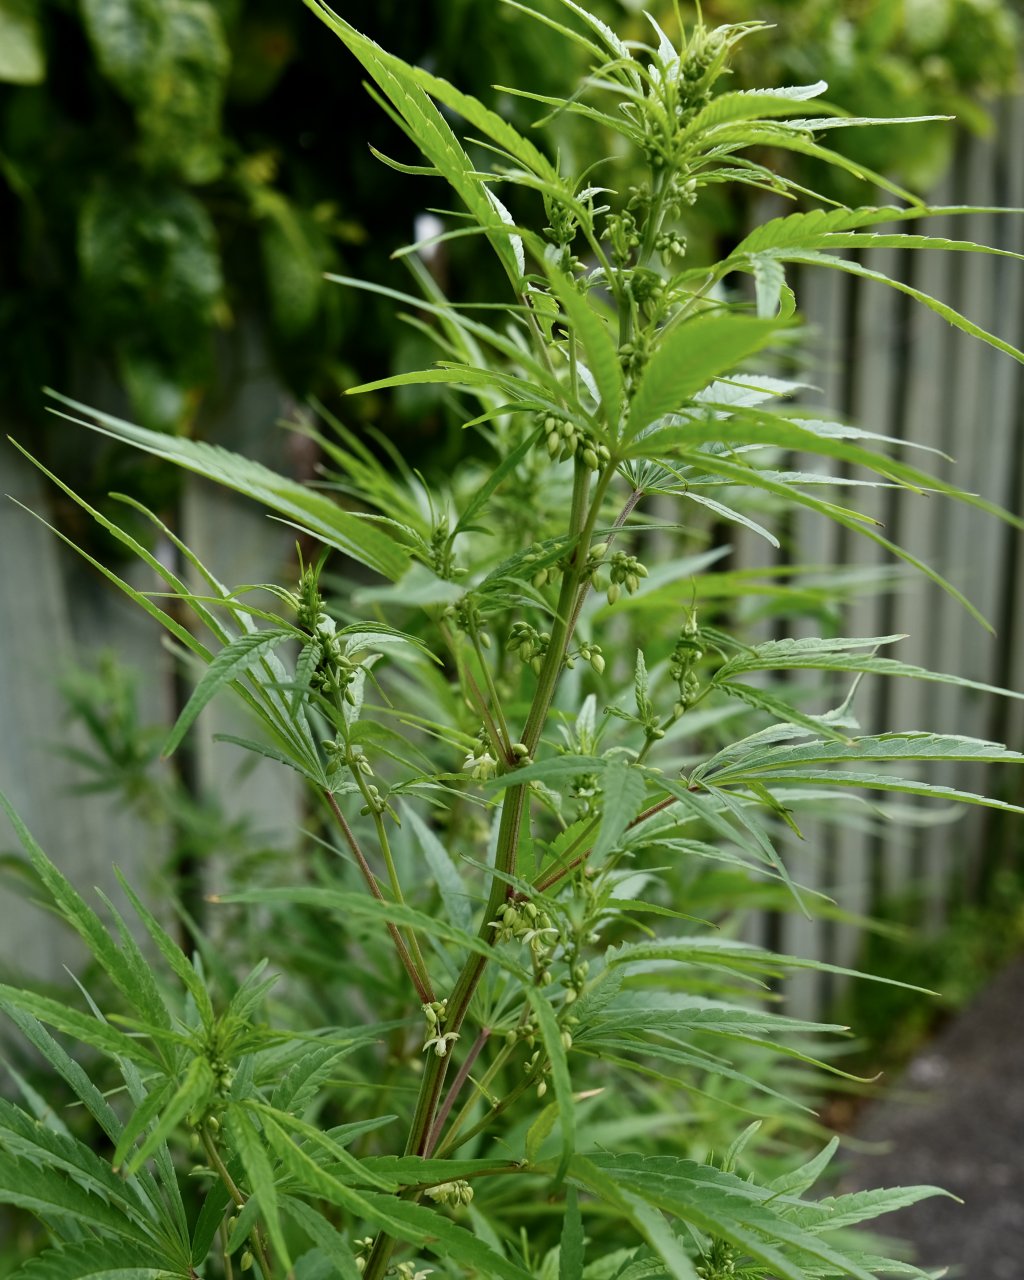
column 880, row 360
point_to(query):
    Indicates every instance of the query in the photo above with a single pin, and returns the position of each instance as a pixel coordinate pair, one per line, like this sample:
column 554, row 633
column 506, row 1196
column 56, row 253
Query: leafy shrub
column 506, row 768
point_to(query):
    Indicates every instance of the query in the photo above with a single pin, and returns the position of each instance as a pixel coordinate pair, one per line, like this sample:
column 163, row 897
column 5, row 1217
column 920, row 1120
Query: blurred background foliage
column 170, row 169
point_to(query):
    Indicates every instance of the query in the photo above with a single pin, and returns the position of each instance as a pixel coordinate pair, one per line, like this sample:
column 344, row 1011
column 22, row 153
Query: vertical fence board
column 41, row 643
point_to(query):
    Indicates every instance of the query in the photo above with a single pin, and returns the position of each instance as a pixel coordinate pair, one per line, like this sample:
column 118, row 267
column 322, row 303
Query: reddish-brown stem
column 555, row 876
column 425, row 994
column 445, row 1108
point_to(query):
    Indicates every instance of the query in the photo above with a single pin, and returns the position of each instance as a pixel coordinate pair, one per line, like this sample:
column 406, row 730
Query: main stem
column 583, row 517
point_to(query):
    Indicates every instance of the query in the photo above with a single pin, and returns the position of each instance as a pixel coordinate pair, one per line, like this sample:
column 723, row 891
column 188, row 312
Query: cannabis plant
column 513, row 781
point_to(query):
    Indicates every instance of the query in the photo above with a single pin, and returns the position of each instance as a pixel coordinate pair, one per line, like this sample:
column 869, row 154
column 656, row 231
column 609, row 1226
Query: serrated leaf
column 316, row 1139
column 748, row 476
column 68, row 1070
column 883, row 747
column 141, row 1118
column 600, row 349
column 494, row 481
column 99, row 1260
column 420, row 118
column 317, row 776
column 400, row 1218
column 300, row 1084
column 650, row 1224
column 23, row 1137
column 306, row 508
column 132, row 979
column 766, row 700
column 362, row 907
column 191, row 1097
column 327, row 1238
column 748, row 104
column 211, row 1215
column 802, row 1179
column 730, row 955
column 250, row 1148
column 553, row 770
column 837, row 1212
column 37, row 1190
column 172, row 953
column 85, row 1028
column 233, row 661
column 948, row 313
column 539, row 1132
column 561, row 1081
column 833, row 655
column 689, row 357
column 446, row 876
column 884, row 782
column 721, row 1204
column 444, row 1238
column 672, row 1013
column 623, row 788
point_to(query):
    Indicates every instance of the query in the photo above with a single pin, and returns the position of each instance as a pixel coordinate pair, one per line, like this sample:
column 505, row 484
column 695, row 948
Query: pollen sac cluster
column 437, row 1038
column 455, row 1193
column 566, row 440
column 528, row 924
column 479, row 763
column 685, row 656
column 529, row 643
column 624, row 571
column 335, row 671
column 589, row 652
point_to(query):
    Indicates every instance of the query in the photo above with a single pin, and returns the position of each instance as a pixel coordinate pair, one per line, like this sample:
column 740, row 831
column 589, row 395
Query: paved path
column 957, row 1121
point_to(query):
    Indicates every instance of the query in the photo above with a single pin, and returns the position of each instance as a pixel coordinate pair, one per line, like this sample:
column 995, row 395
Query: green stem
column 468, row 681
column 566, row 862
column 229, row 1267
column 583, row 516
column 500, row 1107
column 620, row 520
column 238, row 1196
column 389, row 862
column 660, row 185
column 581, row 525
column 504, row 740
column 396, row 889
column 482, row 1085
column 554, row 874
column 423, row 990
column 460, row 1079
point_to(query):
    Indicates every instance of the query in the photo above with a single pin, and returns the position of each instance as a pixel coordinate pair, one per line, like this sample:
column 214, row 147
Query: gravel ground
column 956, row 1120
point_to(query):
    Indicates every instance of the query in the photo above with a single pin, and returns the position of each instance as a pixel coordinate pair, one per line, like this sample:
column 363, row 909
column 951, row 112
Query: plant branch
column 509, row 828
column 482, row 1085
column 481, row 704
column 424, row 991
column 460, row 1079
column 238, row 1196
column 505, row 737
column 553, row 875
column 396, row 889
column 620, row 520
